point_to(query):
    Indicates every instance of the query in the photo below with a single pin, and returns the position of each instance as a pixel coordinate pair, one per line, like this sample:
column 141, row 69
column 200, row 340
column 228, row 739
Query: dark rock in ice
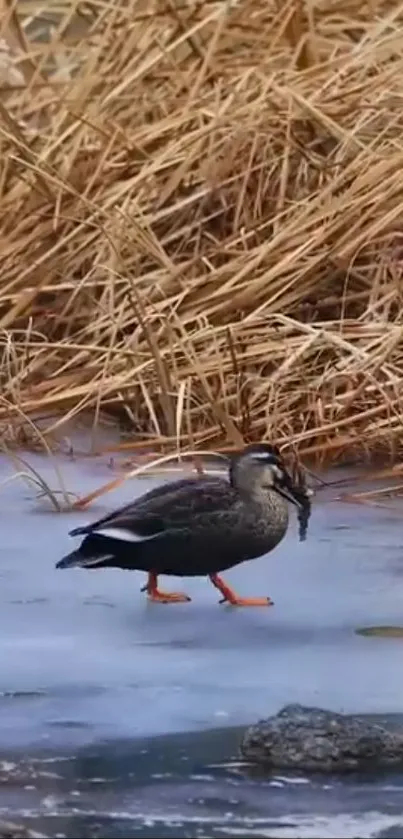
column 313, row 739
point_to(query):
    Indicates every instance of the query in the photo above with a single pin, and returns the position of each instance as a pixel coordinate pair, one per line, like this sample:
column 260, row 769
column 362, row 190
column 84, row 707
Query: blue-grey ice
column 84, row 657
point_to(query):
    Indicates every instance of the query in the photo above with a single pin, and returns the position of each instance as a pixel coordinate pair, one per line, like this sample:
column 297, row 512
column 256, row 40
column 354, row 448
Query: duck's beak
column 288, row 495
column 296, row 496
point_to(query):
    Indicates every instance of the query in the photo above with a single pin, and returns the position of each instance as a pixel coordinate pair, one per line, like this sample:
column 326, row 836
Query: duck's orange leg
column 157, row 596
column 229, row 596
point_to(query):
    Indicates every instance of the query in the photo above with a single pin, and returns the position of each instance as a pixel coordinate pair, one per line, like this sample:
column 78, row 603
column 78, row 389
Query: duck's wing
column 169, row 507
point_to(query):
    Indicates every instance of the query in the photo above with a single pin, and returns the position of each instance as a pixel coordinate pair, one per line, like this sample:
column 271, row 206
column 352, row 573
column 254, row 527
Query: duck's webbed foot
column 157, row 596
column 229, row 596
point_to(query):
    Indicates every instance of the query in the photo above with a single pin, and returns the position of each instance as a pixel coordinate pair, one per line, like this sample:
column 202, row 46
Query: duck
column 199, row 526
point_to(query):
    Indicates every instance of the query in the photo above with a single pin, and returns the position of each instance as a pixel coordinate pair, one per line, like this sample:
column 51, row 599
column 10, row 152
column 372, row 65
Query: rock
column 313, row 739
column 10, row 830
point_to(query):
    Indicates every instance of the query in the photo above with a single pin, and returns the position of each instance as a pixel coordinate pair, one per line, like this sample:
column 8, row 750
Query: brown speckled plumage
column 197, row 526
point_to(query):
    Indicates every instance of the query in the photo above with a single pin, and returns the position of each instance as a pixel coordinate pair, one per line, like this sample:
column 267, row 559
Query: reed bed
column 201, row 221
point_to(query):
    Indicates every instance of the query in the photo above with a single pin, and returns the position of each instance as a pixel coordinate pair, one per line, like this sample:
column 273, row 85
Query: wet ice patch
column 342, row 826
column 229, row 764
column 22, row 694
column 292, row 779
column 7, row 766
column 201, row 777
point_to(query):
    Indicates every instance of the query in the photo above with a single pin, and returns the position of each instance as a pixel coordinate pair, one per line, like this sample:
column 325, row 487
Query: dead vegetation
column 201, row 220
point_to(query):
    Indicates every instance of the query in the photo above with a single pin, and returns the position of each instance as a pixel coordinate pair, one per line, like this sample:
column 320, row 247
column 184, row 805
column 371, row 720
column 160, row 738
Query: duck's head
column 260, row 466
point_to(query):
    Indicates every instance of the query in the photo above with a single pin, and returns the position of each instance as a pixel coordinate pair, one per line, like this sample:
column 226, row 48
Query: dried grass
column 201, row 221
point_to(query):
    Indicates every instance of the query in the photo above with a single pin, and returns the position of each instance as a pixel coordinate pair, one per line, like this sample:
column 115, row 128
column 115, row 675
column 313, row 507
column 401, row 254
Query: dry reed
column 201, row 221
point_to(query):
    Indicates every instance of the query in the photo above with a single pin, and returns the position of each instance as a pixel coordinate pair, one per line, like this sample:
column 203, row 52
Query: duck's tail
column 70, row 560
column 78, row 559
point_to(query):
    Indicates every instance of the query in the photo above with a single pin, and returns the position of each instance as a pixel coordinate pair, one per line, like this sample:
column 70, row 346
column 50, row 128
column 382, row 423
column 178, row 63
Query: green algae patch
column 381, row 631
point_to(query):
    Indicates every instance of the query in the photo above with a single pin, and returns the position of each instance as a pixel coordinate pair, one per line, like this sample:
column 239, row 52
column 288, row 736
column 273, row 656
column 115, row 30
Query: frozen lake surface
column 118, row 715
